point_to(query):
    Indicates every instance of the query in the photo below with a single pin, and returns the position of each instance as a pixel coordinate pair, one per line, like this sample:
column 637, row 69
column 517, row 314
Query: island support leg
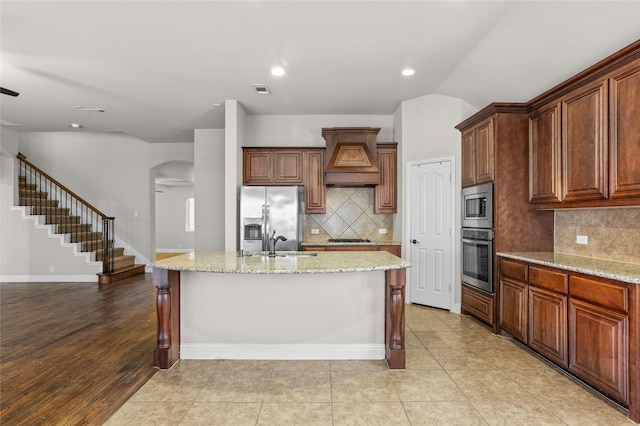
column 167, row 351
column 395, row 280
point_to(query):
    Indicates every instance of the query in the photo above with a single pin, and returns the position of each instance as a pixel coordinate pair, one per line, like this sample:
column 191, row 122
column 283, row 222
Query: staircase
column 69, row 214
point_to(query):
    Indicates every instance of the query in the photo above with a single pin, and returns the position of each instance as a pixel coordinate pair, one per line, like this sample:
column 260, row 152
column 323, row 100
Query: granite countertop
column 621, row 271
column 363, row 243
column 283, row 263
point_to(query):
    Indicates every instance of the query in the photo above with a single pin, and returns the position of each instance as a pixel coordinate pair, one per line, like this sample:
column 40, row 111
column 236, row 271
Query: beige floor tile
column 225, row 413
column 443, row 413
column 301, row 413
column 170, row 388
column 236, row 386
column 426, row 385
column 548, row 384
column 245, row 365
column 358, row 364
column 462, row 358
column 488, row 384
column 580, row 413
column 522, row 412
column 299, row 386
column 149, row 414
column 203, row 367
column 362, row 386
column 420, row 359
column 411, row 341
column 369, row 414
column 301, row 365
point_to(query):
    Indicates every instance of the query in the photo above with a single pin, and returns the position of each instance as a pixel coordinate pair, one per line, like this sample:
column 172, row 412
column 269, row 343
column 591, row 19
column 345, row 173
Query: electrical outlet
column 382, row 230
column 582, row 239
column 315, row 231
column 51, row 269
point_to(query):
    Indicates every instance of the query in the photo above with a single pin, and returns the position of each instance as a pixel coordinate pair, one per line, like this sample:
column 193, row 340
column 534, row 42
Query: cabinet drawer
column 546, row 278
column 513, row 269
column 600, row 293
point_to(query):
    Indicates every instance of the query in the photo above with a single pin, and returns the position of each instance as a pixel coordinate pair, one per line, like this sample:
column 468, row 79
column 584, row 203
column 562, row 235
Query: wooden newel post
column 394, row 321
column 167, row 351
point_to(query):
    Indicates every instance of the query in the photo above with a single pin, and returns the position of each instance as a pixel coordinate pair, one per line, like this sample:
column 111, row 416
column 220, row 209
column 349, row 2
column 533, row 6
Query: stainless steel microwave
column 477, row 206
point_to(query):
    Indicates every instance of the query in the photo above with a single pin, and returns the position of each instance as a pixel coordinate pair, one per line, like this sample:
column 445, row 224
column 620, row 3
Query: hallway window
column 190, row 214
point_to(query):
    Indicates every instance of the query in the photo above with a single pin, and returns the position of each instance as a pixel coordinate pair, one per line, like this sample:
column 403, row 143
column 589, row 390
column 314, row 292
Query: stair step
column 50, row 210
column 62, row 220
column 118, row 251
column 91, row 245
column 121, row 274
column 29, row 193
column 73, row 228
column 123, row 261
column 26, row 201
column 85, row 236
column 27, row 186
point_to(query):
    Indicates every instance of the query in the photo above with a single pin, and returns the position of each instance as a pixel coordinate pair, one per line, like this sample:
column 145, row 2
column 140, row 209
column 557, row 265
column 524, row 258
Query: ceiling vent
column 351, row 157
column 261, row 89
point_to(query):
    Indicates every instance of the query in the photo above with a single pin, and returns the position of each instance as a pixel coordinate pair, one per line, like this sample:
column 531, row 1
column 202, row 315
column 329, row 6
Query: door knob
column 414, row 241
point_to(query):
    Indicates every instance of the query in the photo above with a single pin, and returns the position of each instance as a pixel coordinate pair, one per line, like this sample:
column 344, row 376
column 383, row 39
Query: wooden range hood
column 351, row 156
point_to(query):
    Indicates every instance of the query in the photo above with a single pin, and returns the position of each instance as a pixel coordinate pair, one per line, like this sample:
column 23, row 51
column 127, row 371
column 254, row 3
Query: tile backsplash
column 612, row 234
column 349, row 215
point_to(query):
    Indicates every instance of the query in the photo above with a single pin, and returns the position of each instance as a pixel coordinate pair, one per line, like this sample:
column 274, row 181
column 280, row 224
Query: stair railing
column 71, row 214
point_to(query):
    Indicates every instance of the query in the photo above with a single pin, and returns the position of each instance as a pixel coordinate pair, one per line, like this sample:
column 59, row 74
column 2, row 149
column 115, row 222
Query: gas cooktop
column 348, row 240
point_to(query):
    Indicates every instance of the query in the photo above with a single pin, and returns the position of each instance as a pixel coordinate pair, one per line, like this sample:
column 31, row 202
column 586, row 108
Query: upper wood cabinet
column 385, row 194
column 584, row 138
column 478, row 153
column 288, row 166
column 272, row 166
column 545, row 155
column 314, row 188
column 624, row 131
column 585, row 143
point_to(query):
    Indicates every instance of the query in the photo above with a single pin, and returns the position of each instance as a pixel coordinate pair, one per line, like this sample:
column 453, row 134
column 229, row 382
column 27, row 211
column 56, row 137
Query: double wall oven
column 477, row 237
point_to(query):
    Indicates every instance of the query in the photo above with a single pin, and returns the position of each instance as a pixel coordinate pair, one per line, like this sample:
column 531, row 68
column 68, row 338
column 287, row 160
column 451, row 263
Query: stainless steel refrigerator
column 265, row 209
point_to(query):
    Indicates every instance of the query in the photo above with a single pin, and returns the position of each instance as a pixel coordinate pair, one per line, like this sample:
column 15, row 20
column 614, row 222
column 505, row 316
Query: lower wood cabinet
column 585, row 324
column 598, row 347
column 478, row 304
column 547, row 324
column 513, row 308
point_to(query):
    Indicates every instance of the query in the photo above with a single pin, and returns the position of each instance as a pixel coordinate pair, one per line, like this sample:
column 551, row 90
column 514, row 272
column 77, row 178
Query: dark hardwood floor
column 73, row 353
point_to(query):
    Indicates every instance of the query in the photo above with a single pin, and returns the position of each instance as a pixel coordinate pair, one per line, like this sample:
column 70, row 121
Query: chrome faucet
column 272, row 242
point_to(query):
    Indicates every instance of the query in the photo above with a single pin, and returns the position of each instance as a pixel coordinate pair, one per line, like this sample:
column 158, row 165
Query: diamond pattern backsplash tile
column 349, row 215
column 613, row 234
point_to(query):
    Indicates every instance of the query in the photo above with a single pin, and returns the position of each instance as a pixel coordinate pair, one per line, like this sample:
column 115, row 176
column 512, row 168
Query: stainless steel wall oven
column 477, row 258
column 477, row 236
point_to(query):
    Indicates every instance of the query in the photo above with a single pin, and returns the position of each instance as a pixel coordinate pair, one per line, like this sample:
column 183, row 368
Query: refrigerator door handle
column 265, row 227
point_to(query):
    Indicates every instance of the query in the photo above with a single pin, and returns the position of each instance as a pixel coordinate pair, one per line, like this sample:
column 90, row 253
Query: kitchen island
column 296, row 305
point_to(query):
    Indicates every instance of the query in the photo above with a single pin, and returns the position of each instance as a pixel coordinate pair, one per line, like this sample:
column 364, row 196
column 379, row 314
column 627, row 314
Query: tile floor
column 457, row 373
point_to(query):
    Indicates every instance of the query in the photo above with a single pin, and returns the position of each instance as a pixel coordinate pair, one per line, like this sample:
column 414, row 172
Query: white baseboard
column 49, row 278
column 178, row 250
column 281, row 351
column 457, row 308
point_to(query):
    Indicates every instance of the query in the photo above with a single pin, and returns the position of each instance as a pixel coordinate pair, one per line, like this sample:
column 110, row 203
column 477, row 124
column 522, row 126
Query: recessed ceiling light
column 76, row 125
column 408, row 72
column 277, row 71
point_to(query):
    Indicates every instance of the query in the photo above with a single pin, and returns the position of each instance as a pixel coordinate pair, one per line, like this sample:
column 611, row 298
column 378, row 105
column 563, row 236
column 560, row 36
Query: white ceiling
column 158, row 67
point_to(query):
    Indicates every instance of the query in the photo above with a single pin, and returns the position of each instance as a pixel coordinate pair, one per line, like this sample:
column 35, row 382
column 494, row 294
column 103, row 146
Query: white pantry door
column 430, row 243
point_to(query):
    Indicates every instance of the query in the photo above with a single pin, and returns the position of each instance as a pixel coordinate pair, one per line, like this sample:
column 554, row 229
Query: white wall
column 306, row 130
column 171, row 219
column 209, row 189
column 428, row 131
